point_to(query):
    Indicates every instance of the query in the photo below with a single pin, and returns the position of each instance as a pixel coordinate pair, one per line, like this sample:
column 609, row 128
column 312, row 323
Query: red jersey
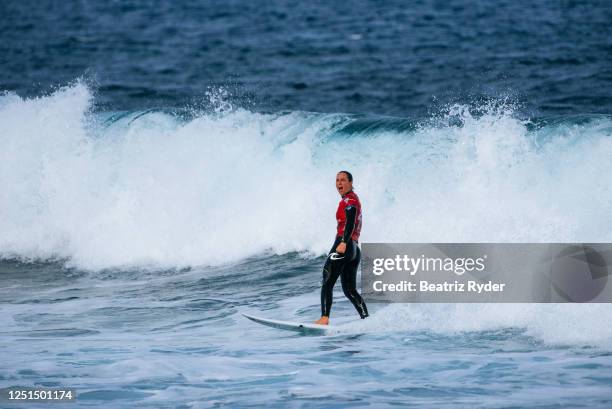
column 349, row 200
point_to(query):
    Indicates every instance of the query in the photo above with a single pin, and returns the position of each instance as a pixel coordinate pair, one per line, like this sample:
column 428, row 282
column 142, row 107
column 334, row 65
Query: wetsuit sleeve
column 351, row 215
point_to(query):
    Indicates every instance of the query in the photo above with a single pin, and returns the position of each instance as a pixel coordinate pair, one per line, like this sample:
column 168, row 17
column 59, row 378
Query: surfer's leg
column 331, row 271
column 349, row 283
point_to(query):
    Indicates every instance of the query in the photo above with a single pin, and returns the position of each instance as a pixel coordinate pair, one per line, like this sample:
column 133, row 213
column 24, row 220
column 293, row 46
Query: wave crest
column 153, row 188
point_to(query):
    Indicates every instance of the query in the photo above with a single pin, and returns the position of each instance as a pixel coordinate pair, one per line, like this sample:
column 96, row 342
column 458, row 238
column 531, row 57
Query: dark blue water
column 396, row 58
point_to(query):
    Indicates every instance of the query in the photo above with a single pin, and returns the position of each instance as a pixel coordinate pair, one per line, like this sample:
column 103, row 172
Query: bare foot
column 323, row 320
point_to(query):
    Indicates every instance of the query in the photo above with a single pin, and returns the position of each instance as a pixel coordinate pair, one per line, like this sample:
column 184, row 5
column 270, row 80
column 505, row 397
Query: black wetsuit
column 343, row 266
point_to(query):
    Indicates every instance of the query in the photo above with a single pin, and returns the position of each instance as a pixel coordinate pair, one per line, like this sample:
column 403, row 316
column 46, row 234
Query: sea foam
column 153, row 189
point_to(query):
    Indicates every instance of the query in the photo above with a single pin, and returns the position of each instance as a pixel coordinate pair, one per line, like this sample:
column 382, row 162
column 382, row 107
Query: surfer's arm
column 351, row 216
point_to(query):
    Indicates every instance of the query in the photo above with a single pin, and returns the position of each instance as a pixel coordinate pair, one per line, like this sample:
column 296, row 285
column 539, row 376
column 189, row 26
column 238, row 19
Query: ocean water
column 387, row 58
column 166, row 167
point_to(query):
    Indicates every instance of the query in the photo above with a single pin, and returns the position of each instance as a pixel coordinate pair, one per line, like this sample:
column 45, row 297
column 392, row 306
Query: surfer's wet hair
column 348, row 175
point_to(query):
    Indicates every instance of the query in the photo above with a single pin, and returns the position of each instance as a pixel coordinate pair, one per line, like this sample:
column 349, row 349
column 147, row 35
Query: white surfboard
column 310, row 329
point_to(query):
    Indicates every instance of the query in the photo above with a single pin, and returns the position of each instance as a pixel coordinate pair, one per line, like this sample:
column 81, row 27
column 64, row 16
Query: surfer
column 344, row 256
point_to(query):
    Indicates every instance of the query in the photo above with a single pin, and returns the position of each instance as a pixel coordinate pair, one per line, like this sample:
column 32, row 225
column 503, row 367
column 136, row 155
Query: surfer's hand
column 341, row 248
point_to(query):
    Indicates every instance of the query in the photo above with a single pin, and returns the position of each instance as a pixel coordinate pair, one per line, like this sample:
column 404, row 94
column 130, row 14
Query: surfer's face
column 342, row 184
